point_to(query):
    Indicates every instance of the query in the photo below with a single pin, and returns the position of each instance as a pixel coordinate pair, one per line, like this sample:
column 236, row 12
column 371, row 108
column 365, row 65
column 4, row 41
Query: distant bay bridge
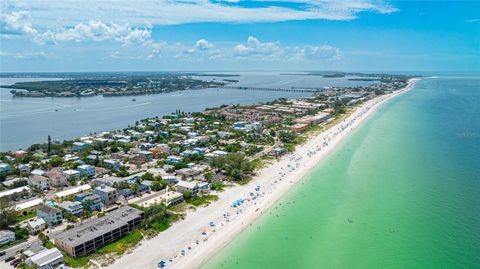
column 291, row 89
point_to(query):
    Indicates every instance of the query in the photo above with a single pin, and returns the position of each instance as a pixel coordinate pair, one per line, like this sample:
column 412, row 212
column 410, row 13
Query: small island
column 112, row 84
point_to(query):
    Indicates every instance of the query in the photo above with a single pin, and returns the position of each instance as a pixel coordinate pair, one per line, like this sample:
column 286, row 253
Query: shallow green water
column 403, row 191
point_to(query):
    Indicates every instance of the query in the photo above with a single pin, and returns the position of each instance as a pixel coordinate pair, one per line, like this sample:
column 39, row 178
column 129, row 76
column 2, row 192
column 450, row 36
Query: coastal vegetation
column 110, row 85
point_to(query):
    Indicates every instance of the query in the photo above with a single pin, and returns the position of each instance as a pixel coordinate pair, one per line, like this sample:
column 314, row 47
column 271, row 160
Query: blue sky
column 186, row 35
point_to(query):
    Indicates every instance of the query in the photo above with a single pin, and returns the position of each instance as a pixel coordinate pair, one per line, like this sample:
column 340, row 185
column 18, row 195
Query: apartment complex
column 93, row 234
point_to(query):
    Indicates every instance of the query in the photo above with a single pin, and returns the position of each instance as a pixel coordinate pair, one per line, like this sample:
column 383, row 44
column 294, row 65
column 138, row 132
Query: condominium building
column 90, row 235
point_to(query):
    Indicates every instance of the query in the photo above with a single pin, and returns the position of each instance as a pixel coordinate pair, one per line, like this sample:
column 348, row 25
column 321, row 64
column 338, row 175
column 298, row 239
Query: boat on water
column 133, row 100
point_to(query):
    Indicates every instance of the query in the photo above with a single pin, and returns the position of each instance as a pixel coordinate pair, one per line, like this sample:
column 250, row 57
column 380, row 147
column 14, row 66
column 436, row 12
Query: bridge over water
column 291, row 89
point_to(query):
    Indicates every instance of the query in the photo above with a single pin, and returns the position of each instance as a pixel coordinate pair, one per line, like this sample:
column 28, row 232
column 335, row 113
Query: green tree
column 49, row 145
column 7, row 213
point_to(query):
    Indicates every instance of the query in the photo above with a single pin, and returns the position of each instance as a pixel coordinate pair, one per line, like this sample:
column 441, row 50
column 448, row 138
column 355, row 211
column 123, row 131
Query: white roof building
column 28, row 204
column 46, row 259
column 73, row 191
column 13, row 191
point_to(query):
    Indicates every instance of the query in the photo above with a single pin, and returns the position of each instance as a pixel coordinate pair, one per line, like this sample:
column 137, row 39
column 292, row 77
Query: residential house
column 112, row 164
column 36, row 225
column 109, row 181
column 72, row 174
column 73, row 208
column 173, row 159
column 38, row 172
column 78, row 146
column 108, row 194
column 90, row 201
column 57, row 179
column 40, row 182
column 4, row 167
column 86, row 170
column 188, row 173
column 51, row 215
column 146, row 155
column 24, row 167
column 185, row 186
column 6, row 236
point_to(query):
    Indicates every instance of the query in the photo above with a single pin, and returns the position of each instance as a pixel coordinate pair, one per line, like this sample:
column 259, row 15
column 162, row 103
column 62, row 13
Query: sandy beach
column 203, row 233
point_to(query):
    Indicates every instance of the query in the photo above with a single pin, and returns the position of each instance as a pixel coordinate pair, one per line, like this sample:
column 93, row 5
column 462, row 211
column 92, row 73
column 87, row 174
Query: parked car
column 15, row 261
column 15, row 264
column 10, row 259
column 2, row 253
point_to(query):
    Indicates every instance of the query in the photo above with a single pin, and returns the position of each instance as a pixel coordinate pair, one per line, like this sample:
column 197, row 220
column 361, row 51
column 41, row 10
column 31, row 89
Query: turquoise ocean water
column 402, row 191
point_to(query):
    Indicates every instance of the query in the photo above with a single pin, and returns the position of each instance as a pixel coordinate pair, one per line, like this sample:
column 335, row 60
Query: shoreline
column 274, row 180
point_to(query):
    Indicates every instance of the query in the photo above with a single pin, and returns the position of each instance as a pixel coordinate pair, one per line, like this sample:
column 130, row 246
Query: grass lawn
column 75, row 262
column 119, row 247
column 202, row 200
column 21, row 218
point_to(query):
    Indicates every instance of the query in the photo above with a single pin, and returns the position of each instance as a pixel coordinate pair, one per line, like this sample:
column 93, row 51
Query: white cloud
column 23, row 55
column 203, row 44
column 16, row 23
column 325, row 52
column 95, row 31
column 169, row 12
column 253, row 48
column 202, row 49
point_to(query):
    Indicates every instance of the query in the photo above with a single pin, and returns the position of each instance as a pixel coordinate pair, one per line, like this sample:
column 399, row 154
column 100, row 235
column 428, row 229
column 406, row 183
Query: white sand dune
column 274, row 181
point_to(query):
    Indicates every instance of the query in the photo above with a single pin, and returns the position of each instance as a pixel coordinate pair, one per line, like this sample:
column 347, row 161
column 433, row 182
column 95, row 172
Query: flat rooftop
column 96, row 227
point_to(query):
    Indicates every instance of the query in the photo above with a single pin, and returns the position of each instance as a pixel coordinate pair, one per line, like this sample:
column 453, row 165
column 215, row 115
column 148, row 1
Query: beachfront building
column 36, row 225
column 73, row 208
column 92, row 234
column 46, row 259
column 6, row 236
column 51, row 215
column 315, row 119
column 189, row 187
column 108, row 194
column 298, row 127
column 86, row 170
